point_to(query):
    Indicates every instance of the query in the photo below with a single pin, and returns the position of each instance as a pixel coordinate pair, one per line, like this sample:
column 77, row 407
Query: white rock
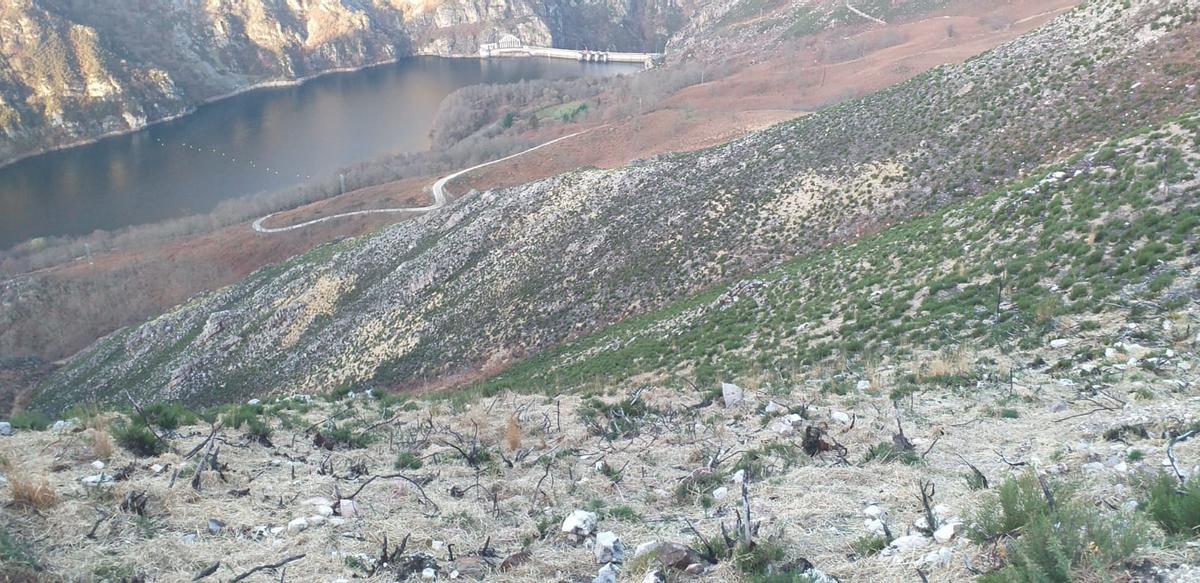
column 97, row 480
column 319, row 501
column 600, row 465
column 947, row 532
column 647, row 547
column 732, row 394
column 1093, row 467
column 786, row 425
column 61, row 426
column 1059, row 343
column 316, row 520
column 738, row 477
column 99, row 465
column 720, row 493
column 278, row 530
column 875, row 526
column 580, row 523
column 939, row 558
column 325, row 511
column 157, row 468
column 337, row 521
column 908, row 543
column 840, row 417
column 428, row 573
column 772, row 407
column 609, row 548
column 942, row 512
column 254, row 402
column 215, row 526
column 874, row 511
column 454, row 573
column 654, row 576
column 607, row 574
column 6, row 428
column 437, row 545
column 863, row 385
column 297, row 525
column 348, row 508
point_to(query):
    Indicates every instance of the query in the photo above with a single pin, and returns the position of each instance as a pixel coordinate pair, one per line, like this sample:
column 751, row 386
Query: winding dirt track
column 438, row 188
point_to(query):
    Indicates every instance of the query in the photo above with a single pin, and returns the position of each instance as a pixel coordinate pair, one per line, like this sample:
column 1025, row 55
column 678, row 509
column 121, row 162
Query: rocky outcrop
column 74, row 71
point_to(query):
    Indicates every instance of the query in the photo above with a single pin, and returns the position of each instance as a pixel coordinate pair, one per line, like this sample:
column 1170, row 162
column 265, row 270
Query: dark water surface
column 260, row 141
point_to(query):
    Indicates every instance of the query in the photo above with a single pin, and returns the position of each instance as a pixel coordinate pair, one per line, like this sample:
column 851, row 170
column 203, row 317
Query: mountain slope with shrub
column 1001, row 390
column 500, row 275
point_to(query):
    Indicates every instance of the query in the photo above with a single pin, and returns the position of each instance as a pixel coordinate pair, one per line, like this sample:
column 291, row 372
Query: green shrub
column 408, row 461
column 869, row 545
column 249, row 416
column 168, row 416
column 346, row 437
column 137, row 438
column 1176, row 509
column 1016, row 503
column 698, row 484
column 15, row 552
column 885, row 452
column 29, row 420
column 1067, row 540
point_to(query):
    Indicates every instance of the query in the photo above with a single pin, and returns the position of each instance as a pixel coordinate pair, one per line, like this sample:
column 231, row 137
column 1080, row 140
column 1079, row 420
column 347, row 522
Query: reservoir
column 259, row 141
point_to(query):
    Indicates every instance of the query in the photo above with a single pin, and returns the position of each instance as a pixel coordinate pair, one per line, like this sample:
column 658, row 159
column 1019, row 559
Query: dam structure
column 511, row 46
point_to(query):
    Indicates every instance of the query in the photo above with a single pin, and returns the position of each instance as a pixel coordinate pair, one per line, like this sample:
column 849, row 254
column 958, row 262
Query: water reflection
column 252, row 143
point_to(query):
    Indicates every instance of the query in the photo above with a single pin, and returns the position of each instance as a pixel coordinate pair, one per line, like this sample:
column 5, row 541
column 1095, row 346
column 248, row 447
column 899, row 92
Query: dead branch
column 935, row 440
column 975, row 471
column 928, row 490
column 209, row 570
column 425, row 497
column 103, row 517
column 1171, row 454
column 270, row 567
column 747, row 538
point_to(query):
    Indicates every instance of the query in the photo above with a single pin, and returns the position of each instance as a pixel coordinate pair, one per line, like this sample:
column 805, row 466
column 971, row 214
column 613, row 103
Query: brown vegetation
column 30, row 492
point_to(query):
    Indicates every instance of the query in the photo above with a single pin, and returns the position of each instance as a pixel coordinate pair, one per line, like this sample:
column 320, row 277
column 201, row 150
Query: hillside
column 72, row 71
column 1000, row 389
column 496, row 276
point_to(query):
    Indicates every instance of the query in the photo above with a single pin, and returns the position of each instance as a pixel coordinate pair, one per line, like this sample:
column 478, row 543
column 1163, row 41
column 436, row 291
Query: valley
column 871, row 290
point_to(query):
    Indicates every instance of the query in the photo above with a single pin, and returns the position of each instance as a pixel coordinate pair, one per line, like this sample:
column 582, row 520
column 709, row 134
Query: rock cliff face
column 73, row 70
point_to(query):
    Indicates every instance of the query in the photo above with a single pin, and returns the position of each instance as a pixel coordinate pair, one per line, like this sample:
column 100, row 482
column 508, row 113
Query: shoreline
column 272, row 84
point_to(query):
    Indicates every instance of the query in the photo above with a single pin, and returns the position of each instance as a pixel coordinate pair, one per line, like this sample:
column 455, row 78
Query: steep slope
column 73, row 71
column 1092, row 391
column 501, row 274
column 1048, row 272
